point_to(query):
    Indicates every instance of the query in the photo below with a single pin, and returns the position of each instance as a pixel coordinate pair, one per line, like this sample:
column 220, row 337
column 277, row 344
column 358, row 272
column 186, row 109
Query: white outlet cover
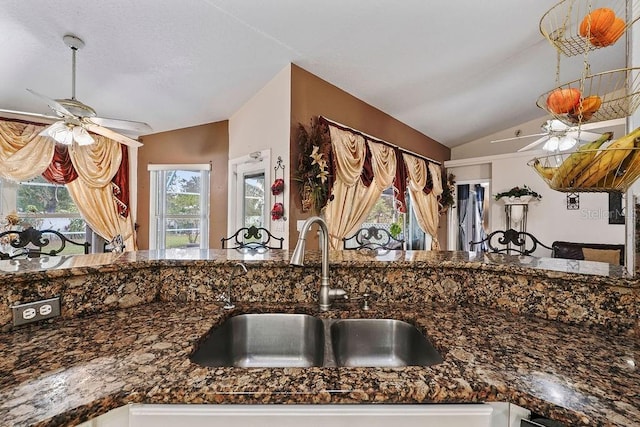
column 45, row 309
column 29, row 313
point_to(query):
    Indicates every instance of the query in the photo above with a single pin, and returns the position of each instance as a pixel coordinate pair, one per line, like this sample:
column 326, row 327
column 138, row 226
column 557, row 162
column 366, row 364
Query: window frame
column 157, row 200
column 256, row 162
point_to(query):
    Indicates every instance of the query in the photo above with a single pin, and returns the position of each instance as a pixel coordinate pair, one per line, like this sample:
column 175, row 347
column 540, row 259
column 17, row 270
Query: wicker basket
column 605, row 173
column 560, row 25
column 619, row 91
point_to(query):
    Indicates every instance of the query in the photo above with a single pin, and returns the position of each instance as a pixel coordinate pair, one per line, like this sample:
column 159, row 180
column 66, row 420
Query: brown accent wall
column 311, row 96
column 207, row 143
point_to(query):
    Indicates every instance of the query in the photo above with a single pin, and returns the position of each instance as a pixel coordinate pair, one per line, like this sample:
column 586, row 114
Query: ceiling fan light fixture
column 60, row 132
column 552, row 144
column 66, row 133
column 567, row 142
column 81, row 136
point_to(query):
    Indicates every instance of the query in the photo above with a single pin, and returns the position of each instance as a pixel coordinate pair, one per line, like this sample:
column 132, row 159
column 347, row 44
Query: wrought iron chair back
column 33, row 243
column 253, row 238
column 511, row 241
column 372, row 238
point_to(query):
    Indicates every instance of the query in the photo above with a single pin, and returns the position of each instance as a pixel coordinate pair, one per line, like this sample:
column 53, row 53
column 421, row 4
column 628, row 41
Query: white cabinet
column 118, row 417
column 364, row 415
column 508, row 414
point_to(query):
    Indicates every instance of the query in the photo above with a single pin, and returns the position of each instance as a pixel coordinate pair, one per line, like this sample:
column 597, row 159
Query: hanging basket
column 618, row 92
column 561, row 24
column 610, row 170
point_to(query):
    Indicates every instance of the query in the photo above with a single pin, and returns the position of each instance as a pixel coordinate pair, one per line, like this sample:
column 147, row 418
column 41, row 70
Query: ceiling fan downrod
column 74, row 43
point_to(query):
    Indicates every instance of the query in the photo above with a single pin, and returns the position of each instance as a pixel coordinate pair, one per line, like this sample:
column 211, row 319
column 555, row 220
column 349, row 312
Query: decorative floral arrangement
column 518, row 192
column 446, row 199
column 313, row 168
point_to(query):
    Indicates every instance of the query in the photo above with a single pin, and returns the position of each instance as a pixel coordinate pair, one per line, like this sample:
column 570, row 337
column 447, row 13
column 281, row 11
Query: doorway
column 469, row 220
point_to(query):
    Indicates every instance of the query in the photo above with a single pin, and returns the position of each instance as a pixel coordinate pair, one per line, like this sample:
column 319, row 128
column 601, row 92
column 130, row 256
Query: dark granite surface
column 72, row 265
column 129, row 322
column 70, row 370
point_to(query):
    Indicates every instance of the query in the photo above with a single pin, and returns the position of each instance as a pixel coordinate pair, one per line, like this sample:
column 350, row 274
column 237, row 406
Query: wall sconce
column 573, row 201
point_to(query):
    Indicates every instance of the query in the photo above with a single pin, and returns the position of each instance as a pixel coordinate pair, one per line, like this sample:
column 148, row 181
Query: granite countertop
column 70, row 370
column 48, row 266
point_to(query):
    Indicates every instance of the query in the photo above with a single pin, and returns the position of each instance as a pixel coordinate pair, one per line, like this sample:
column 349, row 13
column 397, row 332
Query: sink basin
column 300, row 340
column 380, row 343
column 264, row 340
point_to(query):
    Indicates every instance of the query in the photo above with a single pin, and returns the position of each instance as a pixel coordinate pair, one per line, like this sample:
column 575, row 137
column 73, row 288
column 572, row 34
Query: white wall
column 549, row 219
column 263, row 123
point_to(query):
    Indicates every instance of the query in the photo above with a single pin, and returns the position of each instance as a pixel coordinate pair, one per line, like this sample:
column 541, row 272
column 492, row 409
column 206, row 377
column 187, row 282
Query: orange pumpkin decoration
column 562, row 101
column 597, row 22
column 611, row 35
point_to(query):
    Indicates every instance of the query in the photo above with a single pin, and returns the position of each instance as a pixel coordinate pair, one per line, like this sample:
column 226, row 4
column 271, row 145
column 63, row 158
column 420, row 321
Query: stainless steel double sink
column 301, row 340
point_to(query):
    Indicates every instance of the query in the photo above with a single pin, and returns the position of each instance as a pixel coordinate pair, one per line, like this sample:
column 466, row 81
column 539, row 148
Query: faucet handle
column 335, row 293
column 365, row 301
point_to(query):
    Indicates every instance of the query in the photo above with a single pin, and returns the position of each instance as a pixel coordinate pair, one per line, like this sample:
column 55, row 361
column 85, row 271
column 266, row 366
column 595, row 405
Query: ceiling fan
column 558, row 136
column 74, row 119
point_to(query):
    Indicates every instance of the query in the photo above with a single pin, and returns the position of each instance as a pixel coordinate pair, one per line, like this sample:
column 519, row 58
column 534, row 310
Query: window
column 253, row 200
column 401, row 226
column 46, row 206
column 179, row 206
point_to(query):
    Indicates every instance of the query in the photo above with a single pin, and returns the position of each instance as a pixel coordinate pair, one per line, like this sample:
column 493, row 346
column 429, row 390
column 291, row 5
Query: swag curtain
column 425, row 185
column 363, row 170
column 87, row 172
column 23, row 154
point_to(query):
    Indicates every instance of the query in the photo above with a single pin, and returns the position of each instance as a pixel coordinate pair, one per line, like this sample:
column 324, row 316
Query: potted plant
column 518, row 196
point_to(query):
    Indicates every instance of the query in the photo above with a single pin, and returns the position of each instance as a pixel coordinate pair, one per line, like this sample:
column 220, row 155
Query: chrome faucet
column 326, row 294
column 228, row 302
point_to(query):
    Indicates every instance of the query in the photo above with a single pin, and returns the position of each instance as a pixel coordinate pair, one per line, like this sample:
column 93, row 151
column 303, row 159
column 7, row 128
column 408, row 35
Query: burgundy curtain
column 428, row 187
column 120, row 184
column 400, row 183
column 366, row 176
column 61, row 170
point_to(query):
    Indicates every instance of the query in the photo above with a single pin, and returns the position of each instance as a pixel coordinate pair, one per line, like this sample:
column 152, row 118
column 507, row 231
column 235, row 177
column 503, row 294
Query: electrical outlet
column 34, row 311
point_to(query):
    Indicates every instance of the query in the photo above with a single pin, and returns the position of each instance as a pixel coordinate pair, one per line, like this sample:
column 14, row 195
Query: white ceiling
column 454, row 70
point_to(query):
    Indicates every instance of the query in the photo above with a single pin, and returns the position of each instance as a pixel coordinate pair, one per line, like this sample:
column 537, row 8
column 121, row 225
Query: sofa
column 602, row 252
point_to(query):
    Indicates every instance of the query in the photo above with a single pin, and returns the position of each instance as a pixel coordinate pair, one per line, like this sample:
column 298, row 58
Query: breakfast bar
column 557, row 337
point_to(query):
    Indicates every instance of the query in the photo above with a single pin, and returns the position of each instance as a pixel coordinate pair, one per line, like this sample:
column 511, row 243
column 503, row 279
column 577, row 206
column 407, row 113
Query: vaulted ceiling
column 454, row 70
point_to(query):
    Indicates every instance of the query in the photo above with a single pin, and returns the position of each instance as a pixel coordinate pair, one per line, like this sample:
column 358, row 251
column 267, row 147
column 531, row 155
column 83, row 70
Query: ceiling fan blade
column 556, row 125
column 534, row 143
column 139, row 128
column 23, row 114
column 111, row 134
column 604, row 124
column 584, row 136
column 54, row 105
column 518, row 137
